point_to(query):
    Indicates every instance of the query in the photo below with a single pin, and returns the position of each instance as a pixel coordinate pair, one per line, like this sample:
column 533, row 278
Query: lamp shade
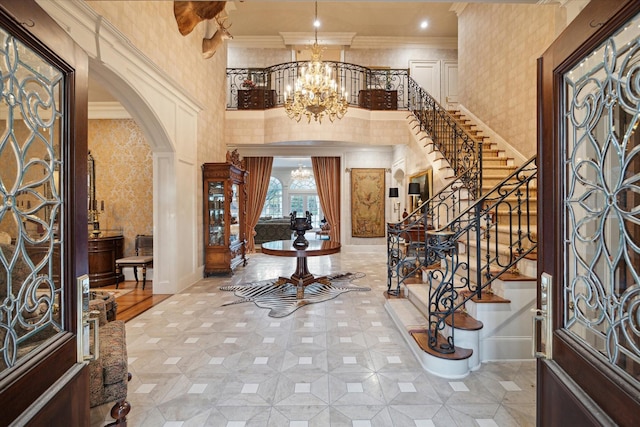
column 414, row 188
column 393, row 192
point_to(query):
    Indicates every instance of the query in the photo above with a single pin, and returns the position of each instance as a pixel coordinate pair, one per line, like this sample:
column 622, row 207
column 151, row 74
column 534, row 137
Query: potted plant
column 248, row 84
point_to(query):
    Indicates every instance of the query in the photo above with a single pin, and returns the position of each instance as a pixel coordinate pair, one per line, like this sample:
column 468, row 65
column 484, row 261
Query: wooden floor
column 137, row 301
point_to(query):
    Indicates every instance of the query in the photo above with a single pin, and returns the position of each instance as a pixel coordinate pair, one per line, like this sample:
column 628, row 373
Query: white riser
column 527, row 267
column 507, row 331
column 467, row 339
column 406, row 317
column 504, row 234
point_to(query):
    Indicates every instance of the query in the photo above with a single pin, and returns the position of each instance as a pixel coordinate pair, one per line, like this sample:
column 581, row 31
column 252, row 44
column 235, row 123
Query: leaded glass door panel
column 589, row 342
column 43, row 219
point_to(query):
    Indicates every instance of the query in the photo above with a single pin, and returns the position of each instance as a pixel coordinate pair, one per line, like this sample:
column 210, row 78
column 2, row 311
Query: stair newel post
column 442, row 295
column 393, row 259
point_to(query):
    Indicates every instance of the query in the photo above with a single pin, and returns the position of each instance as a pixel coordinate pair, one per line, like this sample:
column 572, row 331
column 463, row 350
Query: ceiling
column 252, row 19
column 365, row 18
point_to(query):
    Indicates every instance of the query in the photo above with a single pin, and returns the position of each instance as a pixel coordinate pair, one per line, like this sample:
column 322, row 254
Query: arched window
column 273, row 202
column 303, row 184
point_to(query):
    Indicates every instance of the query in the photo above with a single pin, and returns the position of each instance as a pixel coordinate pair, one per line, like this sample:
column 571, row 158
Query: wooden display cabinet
column 225, row 202
column 103, row 253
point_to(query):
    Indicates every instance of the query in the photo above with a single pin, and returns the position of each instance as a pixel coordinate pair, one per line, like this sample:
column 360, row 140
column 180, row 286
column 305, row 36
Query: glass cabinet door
column 216, row 213
column 234, row 211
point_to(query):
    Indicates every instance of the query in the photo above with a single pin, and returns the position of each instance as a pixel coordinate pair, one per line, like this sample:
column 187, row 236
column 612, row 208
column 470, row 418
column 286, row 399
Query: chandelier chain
column 316, row 92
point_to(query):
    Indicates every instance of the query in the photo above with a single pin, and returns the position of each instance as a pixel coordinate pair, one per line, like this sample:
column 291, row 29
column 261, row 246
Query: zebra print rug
column 282, row 300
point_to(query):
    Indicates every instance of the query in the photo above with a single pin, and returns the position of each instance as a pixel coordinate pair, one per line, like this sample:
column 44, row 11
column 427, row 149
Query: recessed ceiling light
column 316, row 23
column 424, row 24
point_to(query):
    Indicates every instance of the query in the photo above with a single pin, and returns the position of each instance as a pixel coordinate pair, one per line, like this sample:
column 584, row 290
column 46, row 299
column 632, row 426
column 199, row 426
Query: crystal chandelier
column 315, row 93
column 300, row 174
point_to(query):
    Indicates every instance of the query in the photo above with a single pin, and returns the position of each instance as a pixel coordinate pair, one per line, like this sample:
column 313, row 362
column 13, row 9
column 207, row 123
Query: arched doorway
column 168, row 118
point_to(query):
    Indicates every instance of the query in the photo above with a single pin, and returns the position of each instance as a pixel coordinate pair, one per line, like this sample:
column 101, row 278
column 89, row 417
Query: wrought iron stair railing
column 407, row 239
column 476, row 248
column 461, row 150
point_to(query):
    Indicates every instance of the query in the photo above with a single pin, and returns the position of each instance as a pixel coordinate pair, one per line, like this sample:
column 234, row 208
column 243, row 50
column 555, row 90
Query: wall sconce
column 393, row 193
column 414, row 191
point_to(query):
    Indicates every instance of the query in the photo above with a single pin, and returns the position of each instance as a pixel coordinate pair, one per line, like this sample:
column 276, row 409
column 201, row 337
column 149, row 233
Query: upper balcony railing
column 357, row 80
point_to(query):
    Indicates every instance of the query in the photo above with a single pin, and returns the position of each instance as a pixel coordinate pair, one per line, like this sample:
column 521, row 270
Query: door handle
column 539, row 318
column 544, row 319
column 86, row 325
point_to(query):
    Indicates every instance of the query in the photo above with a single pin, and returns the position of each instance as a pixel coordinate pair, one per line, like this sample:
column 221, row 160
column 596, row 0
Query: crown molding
column 344, row 39
column 108, row 111
column 374, row 42
column 458, row 8
column 308, row 38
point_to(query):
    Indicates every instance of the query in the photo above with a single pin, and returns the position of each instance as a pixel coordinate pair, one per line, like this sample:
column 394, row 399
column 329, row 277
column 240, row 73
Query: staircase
column 466, row 298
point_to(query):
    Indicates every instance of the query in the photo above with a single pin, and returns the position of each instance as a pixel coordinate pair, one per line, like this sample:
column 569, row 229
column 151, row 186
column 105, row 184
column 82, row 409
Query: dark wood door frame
column 575, row 387
column 29, row 388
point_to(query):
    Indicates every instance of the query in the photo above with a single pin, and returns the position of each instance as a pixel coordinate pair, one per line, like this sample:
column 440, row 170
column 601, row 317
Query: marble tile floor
column 337, row 363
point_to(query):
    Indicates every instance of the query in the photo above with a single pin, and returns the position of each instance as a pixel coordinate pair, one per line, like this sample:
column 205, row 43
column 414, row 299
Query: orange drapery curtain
column 326, row 171
column 259, row 169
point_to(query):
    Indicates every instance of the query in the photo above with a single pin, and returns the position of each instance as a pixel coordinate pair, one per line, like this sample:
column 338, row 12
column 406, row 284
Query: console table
column 103, row 253
column 301, row 277
column 256, row 99
column 378, row 99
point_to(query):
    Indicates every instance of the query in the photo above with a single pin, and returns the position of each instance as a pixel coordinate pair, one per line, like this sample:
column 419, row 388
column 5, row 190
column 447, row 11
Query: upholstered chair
column 109, row 373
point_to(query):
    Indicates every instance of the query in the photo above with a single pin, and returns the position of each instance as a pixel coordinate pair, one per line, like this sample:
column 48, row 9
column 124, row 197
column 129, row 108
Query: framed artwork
column 425, row 179
column 367, row 202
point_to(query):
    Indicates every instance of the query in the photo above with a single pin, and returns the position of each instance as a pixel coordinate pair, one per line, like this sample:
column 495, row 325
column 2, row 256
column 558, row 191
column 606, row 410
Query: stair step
column 504, row 213
column 486, row 298
column 504, row 228
column 422, row 339
column 463, row 321
column 499, row 248
column 515, row 277
column 496, row 161
column 488, row 146
column 498, row 170
column 513, row 197
column 413, row 280
column 400, row 295
column 504, row 232
column 434, row 266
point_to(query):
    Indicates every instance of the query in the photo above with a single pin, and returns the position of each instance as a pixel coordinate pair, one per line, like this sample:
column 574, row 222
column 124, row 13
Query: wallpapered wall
column 498, row 45
column 124, row 178
column 181, row 58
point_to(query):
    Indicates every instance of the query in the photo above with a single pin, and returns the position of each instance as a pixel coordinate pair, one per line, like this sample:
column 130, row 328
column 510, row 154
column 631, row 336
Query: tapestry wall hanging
column 367, row 203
